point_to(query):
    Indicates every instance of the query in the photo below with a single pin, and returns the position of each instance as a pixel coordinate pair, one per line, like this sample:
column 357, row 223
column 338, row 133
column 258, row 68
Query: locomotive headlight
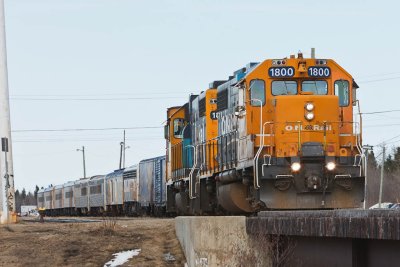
column 309, row 116
column 295, row 166
column 330, row 166
column 309, row 106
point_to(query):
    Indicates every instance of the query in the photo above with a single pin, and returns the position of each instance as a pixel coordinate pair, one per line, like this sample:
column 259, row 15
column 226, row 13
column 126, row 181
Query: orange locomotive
column 280, row 134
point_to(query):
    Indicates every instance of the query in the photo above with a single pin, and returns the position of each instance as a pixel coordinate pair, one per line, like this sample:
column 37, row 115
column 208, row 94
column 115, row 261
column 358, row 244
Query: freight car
column 136, row 190
column 279, row 134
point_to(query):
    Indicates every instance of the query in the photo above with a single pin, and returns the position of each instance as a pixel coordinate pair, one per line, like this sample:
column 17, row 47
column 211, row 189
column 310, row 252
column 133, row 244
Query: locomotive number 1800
column 281, row 72
column 319, row 72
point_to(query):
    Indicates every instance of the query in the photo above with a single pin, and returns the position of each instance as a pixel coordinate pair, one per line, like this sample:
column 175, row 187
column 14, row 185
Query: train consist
column 280, row 134
column 136, row 190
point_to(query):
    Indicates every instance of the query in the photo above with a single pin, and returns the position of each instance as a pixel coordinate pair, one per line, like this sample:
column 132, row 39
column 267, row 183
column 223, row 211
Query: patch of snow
column 122, row 257
column 168, row 257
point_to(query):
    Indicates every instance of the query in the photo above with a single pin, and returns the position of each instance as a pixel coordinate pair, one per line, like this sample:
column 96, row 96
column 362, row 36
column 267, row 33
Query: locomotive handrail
column 192, row 170
column 261, row 147
column 256, row 182
column 359, row 147
column 299, row 132
column 354, row 133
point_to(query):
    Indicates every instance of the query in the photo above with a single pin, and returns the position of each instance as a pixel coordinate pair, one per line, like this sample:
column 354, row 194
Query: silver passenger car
column 81, row 195
column 48, row 199
column 96, row 194
column 68, row 198
column 115, row 191
column 40, row 198
column 131, row 190
column 58, row 198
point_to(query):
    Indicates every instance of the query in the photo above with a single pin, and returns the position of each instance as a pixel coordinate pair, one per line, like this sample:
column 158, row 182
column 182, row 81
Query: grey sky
column 165, row 50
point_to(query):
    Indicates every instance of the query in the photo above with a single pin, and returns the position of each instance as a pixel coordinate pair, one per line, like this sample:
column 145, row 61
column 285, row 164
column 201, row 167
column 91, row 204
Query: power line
column 378, row 80
column 387, row 140
column 96, row 99
column 99, row 94
column 377, row 75
column 395, row 141
column 381, row 125
column 82, row 140
column 378, row 112
column 86, row 129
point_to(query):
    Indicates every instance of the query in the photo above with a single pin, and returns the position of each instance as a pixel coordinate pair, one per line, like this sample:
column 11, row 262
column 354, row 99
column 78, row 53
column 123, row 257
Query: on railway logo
column 308, row 127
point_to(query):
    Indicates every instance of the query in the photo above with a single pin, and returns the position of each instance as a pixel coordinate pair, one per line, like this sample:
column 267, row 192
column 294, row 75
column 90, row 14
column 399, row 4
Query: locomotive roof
column 237, row 76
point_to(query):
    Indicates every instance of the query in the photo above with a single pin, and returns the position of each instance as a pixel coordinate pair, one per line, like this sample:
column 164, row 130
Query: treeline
column 25, row 198
column 391, row 182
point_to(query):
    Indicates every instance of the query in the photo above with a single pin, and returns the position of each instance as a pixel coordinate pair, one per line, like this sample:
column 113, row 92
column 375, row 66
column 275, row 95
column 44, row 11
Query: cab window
column 342, row 90
column 257, row 91
column 178, row 127
column 284, row 88
column 315, row 87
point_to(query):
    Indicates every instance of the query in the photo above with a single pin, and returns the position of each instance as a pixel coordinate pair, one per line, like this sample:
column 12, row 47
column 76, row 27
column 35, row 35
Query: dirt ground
column 72, row 243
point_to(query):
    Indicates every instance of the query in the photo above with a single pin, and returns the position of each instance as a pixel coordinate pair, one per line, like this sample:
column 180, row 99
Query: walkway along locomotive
column 280, row 134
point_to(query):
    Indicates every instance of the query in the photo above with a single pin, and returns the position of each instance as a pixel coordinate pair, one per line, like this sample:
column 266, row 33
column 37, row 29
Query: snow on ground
column 122, row 257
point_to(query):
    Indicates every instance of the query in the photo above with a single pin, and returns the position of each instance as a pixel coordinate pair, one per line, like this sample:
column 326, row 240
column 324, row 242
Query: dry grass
column 90, row 244
column 108, row 226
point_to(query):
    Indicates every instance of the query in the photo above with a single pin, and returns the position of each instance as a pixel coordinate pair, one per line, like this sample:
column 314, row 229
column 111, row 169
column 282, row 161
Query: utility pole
column 382, row 174
column 84, row 164
column 120, row 154
column 124, row 151
column 7, row 195
column 367, row 149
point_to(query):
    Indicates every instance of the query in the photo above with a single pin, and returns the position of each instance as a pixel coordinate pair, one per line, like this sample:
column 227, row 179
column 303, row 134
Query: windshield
column 315, row 87
column 284, row 87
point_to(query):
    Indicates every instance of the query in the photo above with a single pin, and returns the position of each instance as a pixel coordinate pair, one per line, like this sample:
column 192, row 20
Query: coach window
column 315, row 87
column 257, row 91
column 178, row 127
column 284, row 88
column 342, row 90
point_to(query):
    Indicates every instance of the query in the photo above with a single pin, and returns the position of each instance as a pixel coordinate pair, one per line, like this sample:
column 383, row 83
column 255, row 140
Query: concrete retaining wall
column 220, row 241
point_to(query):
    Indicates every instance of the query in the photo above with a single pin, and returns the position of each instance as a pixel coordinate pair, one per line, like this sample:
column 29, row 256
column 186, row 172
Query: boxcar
column 152, row 185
